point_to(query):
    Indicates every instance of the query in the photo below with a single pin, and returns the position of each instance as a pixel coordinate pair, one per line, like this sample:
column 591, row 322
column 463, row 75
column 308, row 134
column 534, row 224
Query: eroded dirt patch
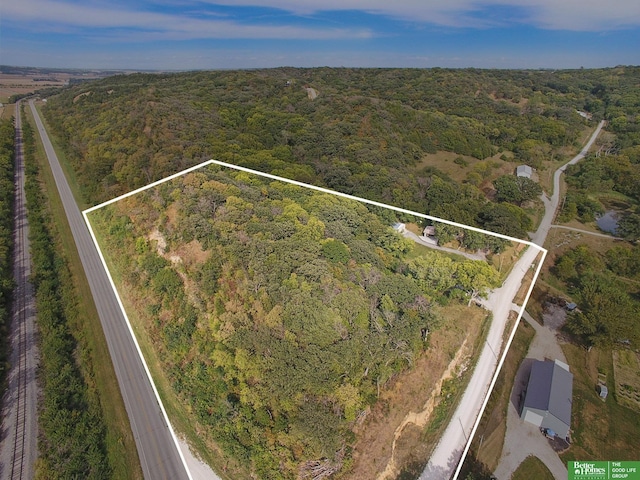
column 388, row 436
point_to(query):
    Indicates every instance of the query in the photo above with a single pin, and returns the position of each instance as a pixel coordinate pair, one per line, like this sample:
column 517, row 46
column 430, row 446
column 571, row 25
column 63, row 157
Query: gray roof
column 550, row 388
column 524, row 171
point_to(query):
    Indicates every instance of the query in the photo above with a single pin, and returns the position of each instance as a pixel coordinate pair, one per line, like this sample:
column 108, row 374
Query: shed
column 547, row 403
column 399, row 227
column 524, row 171
column 603, row 391
column 429, row 231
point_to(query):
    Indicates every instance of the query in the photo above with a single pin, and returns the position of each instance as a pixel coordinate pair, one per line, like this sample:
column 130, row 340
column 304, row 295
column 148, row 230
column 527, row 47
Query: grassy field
column 532, row 468
column 458, row 167
column 123, row 454
column 626, row 371
column 7, row 110
column 418, row 443
column 489, row 438
column 602, row 430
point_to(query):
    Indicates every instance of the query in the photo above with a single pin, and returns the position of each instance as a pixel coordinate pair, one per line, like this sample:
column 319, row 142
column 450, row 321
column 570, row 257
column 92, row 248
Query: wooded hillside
column 279, row 313
column 366, row 133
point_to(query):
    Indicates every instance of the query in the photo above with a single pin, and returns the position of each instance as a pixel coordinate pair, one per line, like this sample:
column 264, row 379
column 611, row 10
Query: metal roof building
column 547, row 403
column 524, row 171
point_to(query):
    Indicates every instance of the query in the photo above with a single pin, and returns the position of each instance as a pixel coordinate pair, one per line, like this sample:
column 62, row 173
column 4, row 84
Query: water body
column 608, row 222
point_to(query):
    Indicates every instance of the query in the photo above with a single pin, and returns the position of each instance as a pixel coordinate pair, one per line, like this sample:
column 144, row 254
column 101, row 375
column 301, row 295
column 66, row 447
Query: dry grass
column 526, row 282
column 410, row 392
column 505, row 261
column 626, row 372
column 489, row 168
column 489, row 438
column 7, row 110
column 600, row 430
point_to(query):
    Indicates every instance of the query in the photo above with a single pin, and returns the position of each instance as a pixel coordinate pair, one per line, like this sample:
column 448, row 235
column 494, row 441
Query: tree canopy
column 367, row 133
column 300, row 308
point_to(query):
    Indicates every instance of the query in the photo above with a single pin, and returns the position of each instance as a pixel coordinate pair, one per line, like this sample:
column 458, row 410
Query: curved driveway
column 159, row 456
column 447, row 455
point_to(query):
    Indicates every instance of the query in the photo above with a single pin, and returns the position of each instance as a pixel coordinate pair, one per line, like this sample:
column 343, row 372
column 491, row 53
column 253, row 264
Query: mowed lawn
column 532, row 468
column 602, row 430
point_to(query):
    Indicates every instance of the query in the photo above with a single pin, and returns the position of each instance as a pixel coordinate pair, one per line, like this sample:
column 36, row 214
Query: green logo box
column 586, row 470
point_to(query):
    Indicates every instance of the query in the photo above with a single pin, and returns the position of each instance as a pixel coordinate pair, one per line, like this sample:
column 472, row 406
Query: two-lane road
column 159, row 456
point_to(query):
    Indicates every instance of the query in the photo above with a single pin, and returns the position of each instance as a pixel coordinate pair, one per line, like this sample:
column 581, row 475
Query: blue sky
column 213, row 34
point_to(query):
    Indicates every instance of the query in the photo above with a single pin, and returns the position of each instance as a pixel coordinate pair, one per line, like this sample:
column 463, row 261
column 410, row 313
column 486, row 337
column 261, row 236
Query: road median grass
column 95, row 358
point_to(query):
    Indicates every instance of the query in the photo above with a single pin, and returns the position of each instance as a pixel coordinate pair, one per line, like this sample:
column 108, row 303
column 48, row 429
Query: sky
column 221, row 34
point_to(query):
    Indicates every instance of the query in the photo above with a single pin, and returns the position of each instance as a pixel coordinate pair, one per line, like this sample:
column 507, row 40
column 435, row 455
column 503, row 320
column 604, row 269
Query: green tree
column 629, row 226
column 476, row 278
column 607, row 314
column 505, row 218
column 517, row 190
column 335, row 251
column 434, row 272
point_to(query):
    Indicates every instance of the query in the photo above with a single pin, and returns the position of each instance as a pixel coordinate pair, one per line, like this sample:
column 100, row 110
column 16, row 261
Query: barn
column 548, row 398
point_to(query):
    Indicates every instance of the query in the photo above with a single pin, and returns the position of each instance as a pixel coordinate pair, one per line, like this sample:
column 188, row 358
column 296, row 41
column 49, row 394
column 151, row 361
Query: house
column 429, row 231
column 548, row 398
column 524, row 171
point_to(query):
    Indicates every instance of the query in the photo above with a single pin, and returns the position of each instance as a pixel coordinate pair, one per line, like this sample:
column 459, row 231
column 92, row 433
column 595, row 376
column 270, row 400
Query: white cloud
column 578, row 15
column 45, row 15
column 115, row 22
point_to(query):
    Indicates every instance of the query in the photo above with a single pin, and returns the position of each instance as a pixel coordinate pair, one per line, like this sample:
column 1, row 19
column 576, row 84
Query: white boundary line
column 135, row 341
column 501, row 362
column 332, row 192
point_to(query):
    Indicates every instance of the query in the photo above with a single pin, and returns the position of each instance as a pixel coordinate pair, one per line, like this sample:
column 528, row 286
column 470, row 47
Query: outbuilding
column 400, row 227
column 524, row 171
column 603, row 391
column 548, row 399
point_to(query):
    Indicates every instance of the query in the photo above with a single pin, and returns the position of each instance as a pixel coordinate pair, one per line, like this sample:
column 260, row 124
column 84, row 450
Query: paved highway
column 18, row 449
column 157, row 450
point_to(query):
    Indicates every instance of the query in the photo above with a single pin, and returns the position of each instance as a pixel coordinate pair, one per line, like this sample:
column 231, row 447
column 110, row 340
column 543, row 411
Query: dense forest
column 366, row 133
column 225, row 295
column 279, row 312
column 7, row 152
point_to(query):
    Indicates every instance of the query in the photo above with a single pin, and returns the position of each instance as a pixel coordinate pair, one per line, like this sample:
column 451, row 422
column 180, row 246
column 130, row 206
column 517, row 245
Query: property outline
column 507, row 345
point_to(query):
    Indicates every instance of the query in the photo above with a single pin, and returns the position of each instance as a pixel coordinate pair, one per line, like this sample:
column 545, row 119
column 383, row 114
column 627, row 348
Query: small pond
column 608, row 222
